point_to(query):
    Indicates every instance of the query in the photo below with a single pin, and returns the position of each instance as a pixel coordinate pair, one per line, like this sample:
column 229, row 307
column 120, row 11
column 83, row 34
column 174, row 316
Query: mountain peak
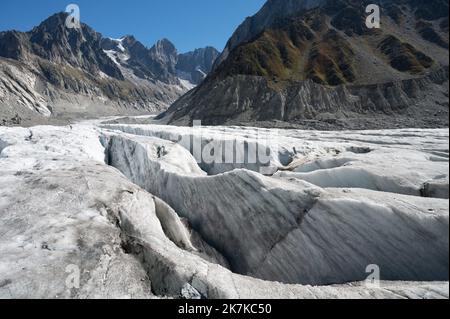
column 55, row 21
column 291, row 59
column 269, row 13
column 165, row 52
column 127, row 39
column 59, row 16
column 197, row 64
column 164, row 41
column 164, row 47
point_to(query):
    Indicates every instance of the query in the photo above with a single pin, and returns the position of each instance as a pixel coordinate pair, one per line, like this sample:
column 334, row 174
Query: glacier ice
column 142, row 217
column 282, row 231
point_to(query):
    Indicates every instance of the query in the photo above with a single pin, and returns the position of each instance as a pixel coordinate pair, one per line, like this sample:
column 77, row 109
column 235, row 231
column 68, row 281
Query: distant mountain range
column 54, row 71
column 296, row 63
column 314, row 63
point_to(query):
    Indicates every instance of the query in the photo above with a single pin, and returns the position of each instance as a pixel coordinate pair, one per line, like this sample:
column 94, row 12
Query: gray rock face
column 248, row 99
column 47, row 91
column 165, row 55
column 162, row 61
column 52, row 41
column 154, row 64
column 196, row 65
column 81, row 48
column 13, row 44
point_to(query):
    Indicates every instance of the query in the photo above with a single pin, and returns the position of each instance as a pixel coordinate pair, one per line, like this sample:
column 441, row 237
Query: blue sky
column 188, row 24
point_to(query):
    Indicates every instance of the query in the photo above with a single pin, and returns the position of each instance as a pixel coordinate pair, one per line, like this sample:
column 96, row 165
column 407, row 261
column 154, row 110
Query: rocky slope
column 316, row 62
column 57, row 72
column 269, row 13
column 162, row 61
column 195, row 66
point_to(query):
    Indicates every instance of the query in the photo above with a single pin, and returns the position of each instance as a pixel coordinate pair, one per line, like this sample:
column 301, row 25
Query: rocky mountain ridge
column 57, row 72
column 320, row 62
column 196, row 65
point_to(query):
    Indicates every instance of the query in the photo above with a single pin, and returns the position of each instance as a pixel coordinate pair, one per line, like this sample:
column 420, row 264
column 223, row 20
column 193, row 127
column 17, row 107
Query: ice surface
column 279, row 230
column 156, row 223
column 398, row 161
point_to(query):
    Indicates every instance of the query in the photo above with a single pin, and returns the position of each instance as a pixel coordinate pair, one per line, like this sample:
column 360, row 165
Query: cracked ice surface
column 156, row 223
column 293, row 231
column 400, row 161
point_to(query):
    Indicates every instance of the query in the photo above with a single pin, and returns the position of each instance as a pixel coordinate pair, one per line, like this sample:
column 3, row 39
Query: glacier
column 142, row 216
